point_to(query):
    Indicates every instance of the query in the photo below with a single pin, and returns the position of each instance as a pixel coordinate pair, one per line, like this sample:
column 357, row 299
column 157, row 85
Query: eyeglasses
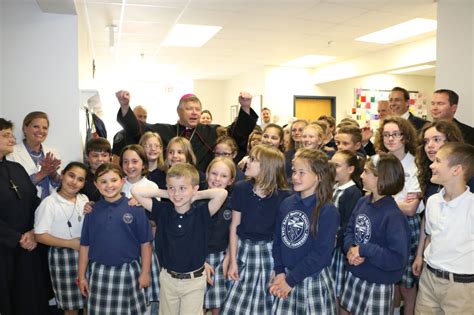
column 394, row 135
column 152, row 146
column 226, row 154
column 8, row 136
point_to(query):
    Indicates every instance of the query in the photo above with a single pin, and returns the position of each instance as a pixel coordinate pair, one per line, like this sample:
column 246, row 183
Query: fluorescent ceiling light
column 188, row 35
column 400, row 31
column 308, row 61
column 411, row 69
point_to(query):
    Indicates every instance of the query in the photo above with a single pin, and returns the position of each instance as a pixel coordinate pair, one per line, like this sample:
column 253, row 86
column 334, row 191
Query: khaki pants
column 443, row 296
column 181, row 297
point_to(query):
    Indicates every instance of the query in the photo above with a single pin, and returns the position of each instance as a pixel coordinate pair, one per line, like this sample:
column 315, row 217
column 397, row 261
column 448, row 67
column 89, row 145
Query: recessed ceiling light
column 308, row 61
column 411, row 69
column 400, row 31
column 188, row 35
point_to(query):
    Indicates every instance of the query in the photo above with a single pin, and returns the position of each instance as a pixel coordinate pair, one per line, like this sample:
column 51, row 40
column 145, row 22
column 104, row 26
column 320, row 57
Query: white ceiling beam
column 415, row 53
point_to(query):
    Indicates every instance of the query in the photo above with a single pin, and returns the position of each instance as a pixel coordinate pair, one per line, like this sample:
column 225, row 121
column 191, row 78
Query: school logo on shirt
column 227, row 214
column 362, row 229
column 295, row 229
column 127, row 218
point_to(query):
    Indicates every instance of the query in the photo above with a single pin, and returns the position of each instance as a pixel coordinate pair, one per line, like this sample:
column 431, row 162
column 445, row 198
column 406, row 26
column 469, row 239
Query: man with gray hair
column 202, row 137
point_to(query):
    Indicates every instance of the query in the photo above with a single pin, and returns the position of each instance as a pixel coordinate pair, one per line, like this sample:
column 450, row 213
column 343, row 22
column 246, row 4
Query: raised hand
column 123, row 98
column 245, row 100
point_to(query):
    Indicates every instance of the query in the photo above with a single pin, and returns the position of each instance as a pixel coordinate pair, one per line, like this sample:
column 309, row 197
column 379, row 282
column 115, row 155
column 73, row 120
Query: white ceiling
column 255, row 33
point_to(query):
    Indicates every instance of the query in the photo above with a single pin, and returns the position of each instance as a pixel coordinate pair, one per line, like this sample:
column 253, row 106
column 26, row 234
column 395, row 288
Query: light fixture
column 411, row 69
column 400, row 31
column 188, row 35
column 308, row 61
column 112, row 29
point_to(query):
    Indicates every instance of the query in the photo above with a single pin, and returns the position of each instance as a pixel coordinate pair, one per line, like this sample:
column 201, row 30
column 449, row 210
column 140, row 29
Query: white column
column 455, row 54
column 39, row 69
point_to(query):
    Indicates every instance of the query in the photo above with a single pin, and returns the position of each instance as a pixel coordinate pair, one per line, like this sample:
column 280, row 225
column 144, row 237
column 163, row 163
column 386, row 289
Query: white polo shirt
column 411, row 180
column 54, row 212
column 143, row 182
column 451, row 226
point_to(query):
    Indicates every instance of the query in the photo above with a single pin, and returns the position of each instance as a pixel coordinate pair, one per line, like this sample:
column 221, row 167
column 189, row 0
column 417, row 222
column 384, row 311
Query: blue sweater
column 383, row 235
column 294, row 246
column 347, row 202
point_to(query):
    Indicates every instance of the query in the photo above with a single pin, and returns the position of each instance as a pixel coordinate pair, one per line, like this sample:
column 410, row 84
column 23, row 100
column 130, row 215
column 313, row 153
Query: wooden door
column 311, row 108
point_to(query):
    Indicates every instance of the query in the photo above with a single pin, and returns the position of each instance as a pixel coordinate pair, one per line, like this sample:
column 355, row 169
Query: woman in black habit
column 21, row 282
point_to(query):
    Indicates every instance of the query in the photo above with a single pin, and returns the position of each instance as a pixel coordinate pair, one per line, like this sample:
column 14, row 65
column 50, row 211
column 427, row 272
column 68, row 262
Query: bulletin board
column 365, row 105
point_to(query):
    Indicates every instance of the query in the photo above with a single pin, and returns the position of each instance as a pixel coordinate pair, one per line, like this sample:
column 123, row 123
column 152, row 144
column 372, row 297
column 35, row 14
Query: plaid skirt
column 215, row 294
column 63, row 269
column 115, row 290
column 338, row 269
column 153, row 291
column 363, row 297
column 315, row 295
column 250, row 294
column 408, row 278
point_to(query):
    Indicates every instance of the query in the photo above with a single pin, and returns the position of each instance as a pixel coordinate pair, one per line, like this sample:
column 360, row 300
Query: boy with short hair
column 349, row 137
column 98, row 152
column 181, row 236
column 447, row 282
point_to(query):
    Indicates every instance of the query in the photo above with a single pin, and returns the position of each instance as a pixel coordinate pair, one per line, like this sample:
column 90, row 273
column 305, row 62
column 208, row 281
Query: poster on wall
column 365, row 105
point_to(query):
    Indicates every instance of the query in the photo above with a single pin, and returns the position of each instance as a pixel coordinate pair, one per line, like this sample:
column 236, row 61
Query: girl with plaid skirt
column 304, row 239
column 376, row 241
column 221, row 173
column 135, row 164
column 116, row 250
column 254, row 204
column 347, row 192
column 58, row 224
column 397, row 135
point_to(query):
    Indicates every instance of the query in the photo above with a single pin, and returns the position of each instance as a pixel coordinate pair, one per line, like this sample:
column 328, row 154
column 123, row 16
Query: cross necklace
column 13, row 186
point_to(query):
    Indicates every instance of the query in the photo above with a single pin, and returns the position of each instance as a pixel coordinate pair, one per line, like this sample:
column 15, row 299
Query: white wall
column 455, row 50
column 212, row 96
column 281, row 85
column 252, row 82
column 343, row 90
column 1, row 60
column 277, row 85
column 40, row 72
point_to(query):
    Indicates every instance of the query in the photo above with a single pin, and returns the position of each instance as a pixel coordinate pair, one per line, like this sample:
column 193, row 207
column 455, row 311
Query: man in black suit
column 121, row 139
column 202, row 137
column 398, row 101
column 444, row 105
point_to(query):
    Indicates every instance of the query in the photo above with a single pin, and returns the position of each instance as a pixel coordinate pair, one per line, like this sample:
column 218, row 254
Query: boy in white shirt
column 447, row 281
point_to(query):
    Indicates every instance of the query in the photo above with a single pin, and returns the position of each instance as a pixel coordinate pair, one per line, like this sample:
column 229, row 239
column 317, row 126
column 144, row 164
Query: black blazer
column 467, row 131
column 417, row 122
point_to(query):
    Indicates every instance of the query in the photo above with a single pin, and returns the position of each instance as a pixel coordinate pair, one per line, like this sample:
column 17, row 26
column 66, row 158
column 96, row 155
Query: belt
column 463, row 278
column 188, row 275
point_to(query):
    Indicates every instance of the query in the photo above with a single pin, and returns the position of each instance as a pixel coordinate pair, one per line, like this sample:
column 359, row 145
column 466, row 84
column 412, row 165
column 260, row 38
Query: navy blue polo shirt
column 258, row 215
column 115, row 232
column 219, row 229
column 181, row 239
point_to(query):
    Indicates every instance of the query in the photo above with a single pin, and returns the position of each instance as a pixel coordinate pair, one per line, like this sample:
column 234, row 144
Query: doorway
column 311, row 107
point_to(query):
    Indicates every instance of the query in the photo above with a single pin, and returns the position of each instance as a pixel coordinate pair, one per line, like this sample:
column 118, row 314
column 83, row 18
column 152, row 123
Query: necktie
column 336, row 195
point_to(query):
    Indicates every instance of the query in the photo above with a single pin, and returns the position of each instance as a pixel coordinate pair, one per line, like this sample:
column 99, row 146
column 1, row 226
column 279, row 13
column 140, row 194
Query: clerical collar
column 185, row 132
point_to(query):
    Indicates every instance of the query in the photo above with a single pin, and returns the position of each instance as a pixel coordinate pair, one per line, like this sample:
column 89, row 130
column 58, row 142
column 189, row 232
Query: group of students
column 248, row 239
